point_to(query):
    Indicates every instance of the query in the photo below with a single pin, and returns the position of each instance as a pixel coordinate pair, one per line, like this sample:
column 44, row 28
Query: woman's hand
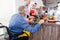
column 41, row 21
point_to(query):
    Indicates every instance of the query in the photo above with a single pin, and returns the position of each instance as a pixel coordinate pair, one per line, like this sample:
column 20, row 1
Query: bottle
column 53, row 17
column 45, row 17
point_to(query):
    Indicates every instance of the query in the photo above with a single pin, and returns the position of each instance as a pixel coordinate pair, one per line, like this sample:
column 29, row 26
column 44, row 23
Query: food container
column 51, row 21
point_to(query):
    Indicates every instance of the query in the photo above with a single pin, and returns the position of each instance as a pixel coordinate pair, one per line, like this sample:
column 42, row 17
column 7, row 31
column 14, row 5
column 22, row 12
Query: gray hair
column 21, row 9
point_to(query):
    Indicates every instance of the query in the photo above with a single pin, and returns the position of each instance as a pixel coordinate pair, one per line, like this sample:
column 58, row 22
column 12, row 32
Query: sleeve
column 21, row 23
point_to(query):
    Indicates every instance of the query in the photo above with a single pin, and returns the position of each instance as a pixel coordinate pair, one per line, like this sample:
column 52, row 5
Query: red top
column 32, row 11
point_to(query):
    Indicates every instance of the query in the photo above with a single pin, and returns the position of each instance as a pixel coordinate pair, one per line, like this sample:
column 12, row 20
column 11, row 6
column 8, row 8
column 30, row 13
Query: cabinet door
column 50, row 3
column 58, row 1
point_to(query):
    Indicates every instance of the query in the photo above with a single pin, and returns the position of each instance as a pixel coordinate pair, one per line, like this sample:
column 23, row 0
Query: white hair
column 21, row 9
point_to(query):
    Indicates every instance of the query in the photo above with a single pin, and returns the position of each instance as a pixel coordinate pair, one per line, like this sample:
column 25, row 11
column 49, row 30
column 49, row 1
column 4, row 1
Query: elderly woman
column 18, row 24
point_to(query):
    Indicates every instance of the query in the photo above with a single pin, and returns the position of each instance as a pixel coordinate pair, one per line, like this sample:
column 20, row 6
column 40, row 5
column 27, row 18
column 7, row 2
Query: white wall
column 6, row 10
column 18, row 3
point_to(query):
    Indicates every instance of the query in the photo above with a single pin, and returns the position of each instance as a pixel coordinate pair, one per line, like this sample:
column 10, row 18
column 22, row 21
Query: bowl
column 51, row 21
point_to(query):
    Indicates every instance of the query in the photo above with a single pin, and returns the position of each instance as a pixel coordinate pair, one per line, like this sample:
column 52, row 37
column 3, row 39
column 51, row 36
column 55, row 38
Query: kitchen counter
column 48, row 31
